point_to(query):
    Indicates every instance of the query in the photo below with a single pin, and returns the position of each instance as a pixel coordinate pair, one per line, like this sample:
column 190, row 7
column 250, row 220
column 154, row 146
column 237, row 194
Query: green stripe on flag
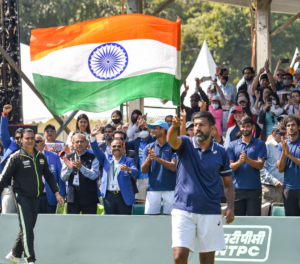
column 63, row 95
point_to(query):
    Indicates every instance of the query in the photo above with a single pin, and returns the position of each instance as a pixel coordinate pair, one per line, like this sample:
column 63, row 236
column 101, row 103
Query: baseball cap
column 160, row 123
column 49, row 126
column 189, row 124
column 215, row 98
column 237, row 108
column 242, row 98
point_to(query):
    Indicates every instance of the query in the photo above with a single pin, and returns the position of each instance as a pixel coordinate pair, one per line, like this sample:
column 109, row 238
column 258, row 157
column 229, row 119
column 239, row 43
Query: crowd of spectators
column 122, row 164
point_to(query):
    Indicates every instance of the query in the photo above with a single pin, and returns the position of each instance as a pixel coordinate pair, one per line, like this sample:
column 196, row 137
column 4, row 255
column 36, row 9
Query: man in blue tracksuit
column 10, row 145
column 48, row 200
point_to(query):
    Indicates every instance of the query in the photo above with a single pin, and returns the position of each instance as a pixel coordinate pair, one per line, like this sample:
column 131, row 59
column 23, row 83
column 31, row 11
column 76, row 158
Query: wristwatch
column 129, row 171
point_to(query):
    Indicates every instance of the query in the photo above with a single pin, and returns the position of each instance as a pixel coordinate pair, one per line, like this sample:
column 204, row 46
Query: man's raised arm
column 172, row 138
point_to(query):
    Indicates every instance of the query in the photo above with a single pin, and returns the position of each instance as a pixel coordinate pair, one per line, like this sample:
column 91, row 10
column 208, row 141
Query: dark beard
column 246, row 135
column 107, row 138
column 203, row 137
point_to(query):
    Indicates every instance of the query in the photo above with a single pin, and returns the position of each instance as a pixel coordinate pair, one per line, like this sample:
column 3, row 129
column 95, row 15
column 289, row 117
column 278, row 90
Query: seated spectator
column 116, row 186
column 288, row 87
column 82, row 125
column 293, row 105
column 247, row 156
column 195, row 99
column 133, row 130
column 271, row 178
column 297, row 77
column 81, row 169
column 48, row 200
column 116, row 118
column 216, row 110
column 160, row 163
column 269, row 114
column 168, row 120
column 289, row 164
column 245, row 84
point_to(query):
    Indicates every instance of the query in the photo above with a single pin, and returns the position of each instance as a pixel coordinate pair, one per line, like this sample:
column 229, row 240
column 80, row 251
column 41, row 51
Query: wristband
column 4, row 114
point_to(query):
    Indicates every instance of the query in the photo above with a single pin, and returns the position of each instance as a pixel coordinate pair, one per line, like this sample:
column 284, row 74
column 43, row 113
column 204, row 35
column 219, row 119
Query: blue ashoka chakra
column 108, row 61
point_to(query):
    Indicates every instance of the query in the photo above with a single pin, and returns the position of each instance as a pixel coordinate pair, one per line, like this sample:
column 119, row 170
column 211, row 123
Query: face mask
column 243, row 106
column 116, row 121
column 144, row 134
column 287, row 82
column 215, row 106
column 225, row 78
column 133, row 120
column 211, row 95
column 274, row 102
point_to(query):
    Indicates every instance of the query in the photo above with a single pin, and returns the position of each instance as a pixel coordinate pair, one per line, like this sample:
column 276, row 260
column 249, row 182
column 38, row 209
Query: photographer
column 293, row 105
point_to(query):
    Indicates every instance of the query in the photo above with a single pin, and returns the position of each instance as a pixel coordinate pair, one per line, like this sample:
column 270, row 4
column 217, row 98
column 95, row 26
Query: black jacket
column 26, row 174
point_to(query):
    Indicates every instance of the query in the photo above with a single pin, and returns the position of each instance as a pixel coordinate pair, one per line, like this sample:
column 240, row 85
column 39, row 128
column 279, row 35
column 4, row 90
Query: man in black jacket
column 25, row 169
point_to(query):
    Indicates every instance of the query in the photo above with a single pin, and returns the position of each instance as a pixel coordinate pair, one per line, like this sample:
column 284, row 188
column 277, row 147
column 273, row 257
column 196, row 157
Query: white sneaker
column 10, row 257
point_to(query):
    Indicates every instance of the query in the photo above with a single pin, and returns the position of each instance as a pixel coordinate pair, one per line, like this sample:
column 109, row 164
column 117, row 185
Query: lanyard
column 114, row 170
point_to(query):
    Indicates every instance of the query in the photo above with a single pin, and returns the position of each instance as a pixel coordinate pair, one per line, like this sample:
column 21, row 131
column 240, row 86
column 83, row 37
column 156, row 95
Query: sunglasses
column 280, row 74
column 49, row 131
column 281, row 134
column 38, row 141
column 17, row 138
column 116, row 146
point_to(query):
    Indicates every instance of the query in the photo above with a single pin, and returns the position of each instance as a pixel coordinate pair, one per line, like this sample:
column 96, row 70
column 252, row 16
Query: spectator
column 293, row 105
column 243, row 100
column 195, row 99
column 289, row 163
column 133, row 131
column 271, row 178
column 278, row 76
column 288, row 83
column 279, row 122
column 168, row 120
column 227, row 88
column 297, row 77
column 24, row 169
column 82, row 125
column 50, row 133
column 265, row 80
column 189, row 129
column 139, row 145
column 116, row 187
column 107, row 138
column 116, row 118
column 48, row 201
column 81, row 169
column 10, row 145
column 216, row 109
column 160, row 163
column 247, row 156
column 269, row 114
column 246, row 83
column 260, row 101
column 119, row 134
column 215, row 90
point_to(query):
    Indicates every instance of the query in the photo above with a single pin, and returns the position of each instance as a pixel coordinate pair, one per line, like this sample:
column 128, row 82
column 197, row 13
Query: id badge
column 113, row 186
column 76, row 180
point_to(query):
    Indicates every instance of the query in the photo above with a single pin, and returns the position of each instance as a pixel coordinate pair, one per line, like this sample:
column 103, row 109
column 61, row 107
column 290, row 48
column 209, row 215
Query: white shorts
column 153, row 202
column 207, row 229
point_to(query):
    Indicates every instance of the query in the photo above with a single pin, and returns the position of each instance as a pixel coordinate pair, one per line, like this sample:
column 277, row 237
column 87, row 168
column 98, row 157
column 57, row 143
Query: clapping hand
column 243, row 157
column 96, row 130
column 124, row 167
column 69, row 163
column 152, row 154
column 77, row 164
column 285, row 147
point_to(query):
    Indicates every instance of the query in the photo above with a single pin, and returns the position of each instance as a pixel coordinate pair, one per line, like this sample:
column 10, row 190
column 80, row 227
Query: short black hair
column 207, row 115
column 264, row 76
column 223, row 70
column 167, row 117
column 296, row 91
column 118, row 112
column 49, row 126
column 109, row 126
column 277, row 128
column 27, row 130
column 288, row 74
column 247, row 119
column 274, row 95
column 291, row 117
column 196, row 95
column 120, row 132
column 248, row 68
column 19, row 131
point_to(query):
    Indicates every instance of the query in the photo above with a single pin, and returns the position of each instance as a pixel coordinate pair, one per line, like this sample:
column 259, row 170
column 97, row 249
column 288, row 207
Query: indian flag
column 99, row 64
